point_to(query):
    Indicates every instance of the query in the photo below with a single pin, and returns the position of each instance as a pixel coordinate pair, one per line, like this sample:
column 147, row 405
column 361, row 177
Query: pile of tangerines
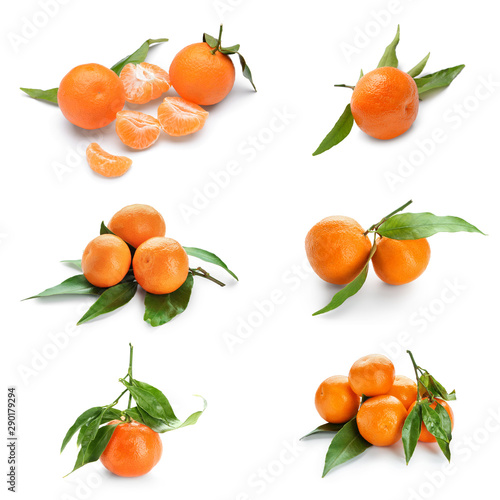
column 92, row 96
column 373, row 406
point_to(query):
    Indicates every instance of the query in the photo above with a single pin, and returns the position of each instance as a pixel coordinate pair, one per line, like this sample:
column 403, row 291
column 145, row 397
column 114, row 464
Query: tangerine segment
column 144, row 82
column 160, row 265
column 106, row 164
column 179, row 117
column 137, row 130
column 133, row 450
column 384, row 102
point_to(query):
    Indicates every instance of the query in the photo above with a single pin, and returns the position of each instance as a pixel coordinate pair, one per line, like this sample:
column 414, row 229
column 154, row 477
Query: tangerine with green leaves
column 201, row 74
column 335, row 400
column 397, row 262
column 385, row 102
column 425, row 435
column 133, row 450
column 380, row 420
column 160, row 265
column 372, row 375
column 137, row 223
column 337, row 249
column 106, row 260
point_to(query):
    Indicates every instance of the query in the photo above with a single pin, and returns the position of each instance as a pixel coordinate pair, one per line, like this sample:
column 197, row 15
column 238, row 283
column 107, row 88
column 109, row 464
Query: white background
column 260, row 393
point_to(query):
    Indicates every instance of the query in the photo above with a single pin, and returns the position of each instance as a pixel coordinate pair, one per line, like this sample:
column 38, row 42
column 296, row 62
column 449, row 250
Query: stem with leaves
column 374, row 227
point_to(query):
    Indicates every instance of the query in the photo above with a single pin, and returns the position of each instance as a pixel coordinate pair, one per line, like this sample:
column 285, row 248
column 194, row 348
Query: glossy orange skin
column 380, row 420
column 160, row 265
column 200, row 76
column 137, row 223
column 90, row 95
column 404, row 389
column 372, row 375
column 335, row 401
column 133, row 450
column 337, row 249
column 106, row 260
column 385, row 102
column 397, row 262
column 425, row 435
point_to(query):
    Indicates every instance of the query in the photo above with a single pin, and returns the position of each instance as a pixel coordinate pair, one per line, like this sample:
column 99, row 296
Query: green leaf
column 361, row 74
column 230, row 50
column 76, row 285
column 104, row 229
column 445, row 421
column 411, row 431
column 49, row 95
column 109, row 414
column 324, row 428
column 347, row 444
column 112, row 298
column 348, row 291
column 433, row 423
column 94, row 449
column 416, row 70
column 152, row 400
column 389, row 58
column 208, row 257
column 161, row 309
column 77, row 264
column 193, row 418
column 246, row 70
column 80, row 422
column 438, row 80
column 138, row 56
column 436, row 389
column 410, row 226
column 213, row 42
column 338, row 133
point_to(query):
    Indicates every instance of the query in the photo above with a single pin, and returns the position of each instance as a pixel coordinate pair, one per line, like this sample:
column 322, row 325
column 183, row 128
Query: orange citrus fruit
column 398, row 262
column 404, row 389
column 137, row 130
column 425, row 435
column 380, row 420
column 335, row 400
column 106, row 164
column 384, row 102
column 90, row 95
column 179, row 117
column 106, row 260
column 137, row 223
column 133, row 450
column 337, row 249
column 160, row 265
column 200, row 76
column 143, row 82
column 372, row 375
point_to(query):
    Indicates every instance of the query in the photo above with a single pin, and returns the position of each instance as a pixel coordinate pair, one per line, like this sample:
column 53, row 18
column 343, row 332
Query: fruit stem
column 416, row 374
column 374, row 227
column 344, row 85
column 201, row 272
column 131, row 358
column 218, row 41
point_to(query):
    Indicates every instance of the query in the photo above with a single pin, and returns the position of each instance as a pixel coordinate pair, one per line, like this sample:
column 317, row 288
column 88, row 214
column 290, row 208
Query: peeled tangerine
column 106, row 164
column 144, row 82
